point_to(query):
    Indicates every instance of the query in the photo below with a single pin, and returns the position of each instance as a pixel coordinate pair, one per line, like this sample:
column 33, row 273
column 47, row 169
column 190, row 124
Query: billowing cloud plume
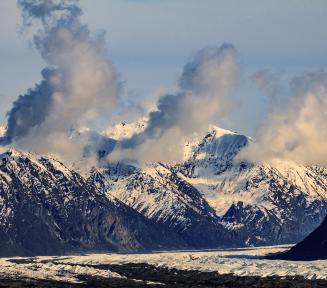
column 31, row 109
column 203, row 97
column 296, row 131
column 79, row 85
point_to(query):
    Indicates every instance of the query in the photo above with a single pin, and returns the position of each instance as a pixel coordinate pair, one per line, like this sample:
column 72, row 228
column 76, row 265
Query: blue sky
column 149, row 41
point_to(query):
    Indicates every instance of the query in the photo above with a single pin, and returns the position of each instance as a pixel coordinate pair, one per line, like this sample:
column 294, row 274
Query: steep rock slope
column 46, row 208
column 160, row 195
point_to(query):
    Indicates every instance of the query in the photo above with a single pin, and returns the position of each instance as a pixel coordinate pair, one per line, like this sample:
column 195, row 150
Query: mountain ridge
column 160, row 205
column 252, row 199
column 49, row 209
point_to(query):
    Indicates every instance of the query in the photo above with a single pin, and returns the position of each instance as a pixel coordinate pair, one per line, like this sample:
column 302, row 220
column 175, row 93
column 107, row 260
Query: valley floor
column 219, row 268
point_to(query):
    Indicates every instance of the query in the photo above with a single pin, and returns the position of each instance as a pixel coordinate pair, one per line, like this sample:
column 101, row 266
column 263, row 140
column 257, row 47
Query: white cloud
column 297, row 130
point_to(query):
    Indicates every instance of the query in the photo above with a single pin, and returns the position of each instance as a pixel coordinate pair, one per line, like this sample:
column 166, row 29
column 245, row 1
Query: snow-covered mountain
column 208, row 200
column 163, row 197
column 271, row 204
column 258, row 204
column 47, row 208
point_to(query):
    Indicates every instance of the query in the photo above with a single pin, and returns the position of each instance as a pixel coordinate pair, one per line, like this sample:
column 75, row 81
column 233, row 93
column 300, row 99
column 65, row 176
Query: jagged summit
column 216, row 148
column 219, row 131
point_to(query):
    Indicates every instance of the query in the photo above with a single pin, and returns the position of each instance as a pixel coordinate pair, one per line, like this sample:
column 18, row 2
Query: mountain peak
column 218, row 131
column 216, row 143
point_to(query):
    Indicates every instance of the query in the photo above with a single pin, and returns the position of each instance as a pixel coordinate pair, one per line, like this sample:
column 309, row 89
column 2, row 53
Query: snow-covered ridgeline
column 232, row 203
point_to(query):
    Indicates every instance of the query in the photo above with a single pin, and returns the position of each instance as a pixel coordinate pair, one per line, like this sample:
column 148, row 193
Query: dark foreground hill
column 312, row 247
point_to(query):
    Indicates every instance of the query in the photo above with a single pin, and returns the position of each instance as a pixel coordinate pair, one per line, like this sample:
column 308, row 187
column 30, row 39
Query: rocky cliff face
column 161, row 196
column 49, row 209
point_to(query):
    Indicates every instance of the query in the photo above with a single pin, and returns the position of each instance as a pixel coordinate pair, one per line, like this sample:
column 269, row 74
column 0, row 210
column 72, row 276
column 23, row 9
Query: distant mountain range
column 209, row 200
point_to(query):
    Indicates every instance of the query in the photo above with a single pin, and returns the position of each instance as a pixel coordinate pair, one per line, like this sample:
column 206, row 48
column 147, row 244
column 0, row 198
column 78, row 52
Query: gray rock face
column 161, row 196
column 49, row 209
